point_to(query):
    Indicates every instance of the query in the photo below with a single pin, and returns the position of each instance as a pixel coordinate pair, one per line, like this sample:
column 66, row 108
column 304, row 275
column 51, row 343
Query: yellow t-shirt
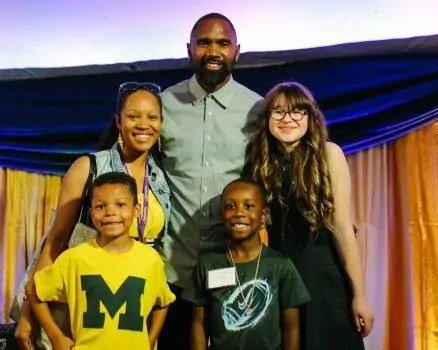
column 109, row 295
column 155, row 217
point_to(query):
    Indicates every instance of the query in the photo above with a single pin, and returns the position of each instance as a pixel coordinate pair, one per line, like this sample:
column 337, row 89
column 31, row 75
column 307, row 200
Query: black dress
column 326, row 322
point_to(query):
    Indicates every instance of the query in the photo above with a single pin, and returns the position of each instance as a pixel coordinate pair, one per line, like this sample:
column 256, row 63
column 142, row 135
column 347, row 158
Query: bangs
column 290, row 96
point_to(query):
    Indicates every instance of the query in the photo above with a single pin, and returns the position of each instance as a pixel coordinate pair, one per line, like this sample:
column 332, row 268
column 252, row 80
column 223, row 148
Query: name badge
column 221, row 278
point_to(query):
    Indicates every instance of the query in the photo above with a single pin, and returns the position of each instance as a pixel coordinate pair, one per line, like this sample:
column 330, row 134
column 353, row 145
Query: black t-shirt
column 247, row 316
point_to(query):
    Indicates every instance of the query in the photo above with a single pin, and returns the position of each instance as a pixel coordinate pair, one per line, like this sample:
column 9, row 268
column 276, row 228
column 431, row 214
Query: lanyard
column 142, row 219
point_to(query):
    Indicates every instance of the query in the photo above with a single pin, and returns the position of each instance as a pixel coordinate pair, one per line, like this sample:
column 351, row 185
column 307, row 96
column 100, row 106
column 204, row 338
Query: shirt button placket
column 206, row 161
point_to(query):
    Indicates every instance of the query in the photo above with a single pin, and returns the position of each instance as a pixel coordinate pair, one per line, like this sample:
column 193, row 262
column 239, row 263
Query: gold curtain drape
column 27, row 200
column 395, row 206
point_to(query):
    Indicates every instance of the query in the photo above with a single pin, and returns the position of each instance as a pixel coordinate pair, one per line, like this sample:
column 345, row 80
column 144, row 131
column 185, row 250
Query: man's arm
column 199, row 334
column 290, row 329
column 42, row 314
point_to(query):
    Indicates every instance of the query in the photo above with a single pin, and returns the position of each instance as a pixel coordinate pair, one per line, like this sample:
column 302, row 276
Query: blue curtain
column 370, row 93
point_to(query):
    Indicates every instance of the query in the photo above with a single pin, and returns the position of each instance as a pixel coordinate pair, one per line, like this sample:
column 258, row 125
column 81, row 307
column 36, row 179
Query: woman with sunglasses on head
column 308, row 184
column 130, row 144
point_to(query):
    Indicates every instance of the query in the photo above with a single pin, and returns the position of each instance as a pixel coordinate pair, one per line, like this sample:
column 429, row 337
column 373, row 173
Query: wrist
column 54, row 333
column 359, row 296
column 152, row 338
column 358, row 290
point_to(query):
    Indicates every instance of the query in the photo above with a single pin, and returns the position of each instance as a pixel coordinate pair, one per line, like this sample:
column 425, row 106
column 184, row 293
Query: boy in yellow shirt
column 111, row 283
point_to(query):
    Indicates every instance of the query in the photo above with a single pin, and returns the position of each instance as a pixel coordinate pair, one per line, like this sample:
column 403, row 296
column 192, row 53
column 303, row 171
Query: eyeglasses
column 296, row 114
column 134, row 86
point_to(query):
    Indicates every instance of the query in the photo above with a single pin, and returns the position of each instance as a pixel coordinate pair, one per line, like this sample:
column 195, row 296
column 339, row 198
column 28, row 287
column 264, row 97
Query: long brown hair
column 310, row 185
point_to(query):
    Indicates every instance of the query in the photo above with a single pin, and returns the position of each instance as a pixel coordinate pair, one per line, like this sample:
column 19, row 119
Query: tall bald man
column 207, row 124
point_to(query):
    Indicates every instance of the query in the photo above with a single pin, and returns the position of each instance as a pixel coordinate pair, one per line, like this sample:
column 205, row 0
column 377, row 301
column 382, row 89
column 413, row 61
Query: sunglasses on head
column 134, row 86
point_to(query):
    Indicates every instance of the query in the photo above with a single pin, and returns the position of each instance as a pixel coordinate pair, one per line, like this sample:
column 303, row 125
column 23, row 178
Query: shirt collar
column 117, row 164
column 222, row 96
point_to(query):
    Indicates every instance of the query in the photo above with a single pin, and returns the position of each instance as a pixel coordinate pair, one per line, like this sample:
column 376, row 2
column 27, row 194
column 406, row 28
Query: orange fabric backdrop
column 395, row 206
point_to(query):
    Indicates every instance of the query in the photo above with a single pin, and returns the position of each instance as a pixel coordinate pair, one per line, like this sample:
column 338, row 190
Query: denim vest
column 109, row 160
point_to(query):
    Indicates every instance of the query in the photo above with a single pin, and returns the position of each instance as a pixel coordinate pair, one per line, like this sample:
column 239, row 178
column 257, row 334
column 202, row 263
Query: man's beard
column 211, row 78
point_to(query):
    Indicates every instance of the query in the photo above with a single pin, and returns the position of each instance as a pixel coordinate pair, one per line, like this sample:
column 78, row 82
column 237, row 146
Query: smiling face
column 288, row 131
column 243, row 211
column 213, row 51
column 112, row 210
column 139, row 122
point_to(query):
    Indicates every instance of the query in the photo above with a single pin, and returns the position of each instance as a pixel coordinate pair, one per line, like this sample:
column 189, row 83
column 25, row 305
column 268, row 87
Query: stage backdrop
column 370, row 92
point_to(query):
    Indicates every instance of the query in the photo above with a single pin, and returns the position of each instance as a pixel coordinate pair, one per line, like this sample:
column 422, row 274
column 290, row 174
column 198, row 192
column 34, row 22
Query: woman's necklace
column 247, row 302
column 142, row 219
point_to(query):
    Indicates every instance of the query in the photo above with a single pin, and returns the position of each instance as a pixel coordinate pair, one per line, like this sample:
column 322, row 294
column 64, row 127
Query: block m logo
column 96, row 291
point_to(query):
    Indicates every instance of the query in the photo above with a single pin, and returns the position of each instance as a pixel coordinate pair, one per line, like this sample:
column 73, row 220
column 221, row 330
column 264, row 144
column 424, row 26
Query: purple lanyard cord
column 142, row 219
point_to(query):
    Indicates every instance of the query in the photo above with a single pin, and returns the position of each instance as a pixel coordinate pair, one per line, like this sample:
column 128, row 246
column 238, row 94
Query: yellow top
column 155, row 218
column 109, row 295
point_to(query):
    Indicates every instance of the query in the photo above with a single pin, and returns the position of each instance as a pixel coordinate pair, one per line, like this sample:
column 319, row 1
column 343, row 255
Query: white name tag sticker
column 221, row 278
